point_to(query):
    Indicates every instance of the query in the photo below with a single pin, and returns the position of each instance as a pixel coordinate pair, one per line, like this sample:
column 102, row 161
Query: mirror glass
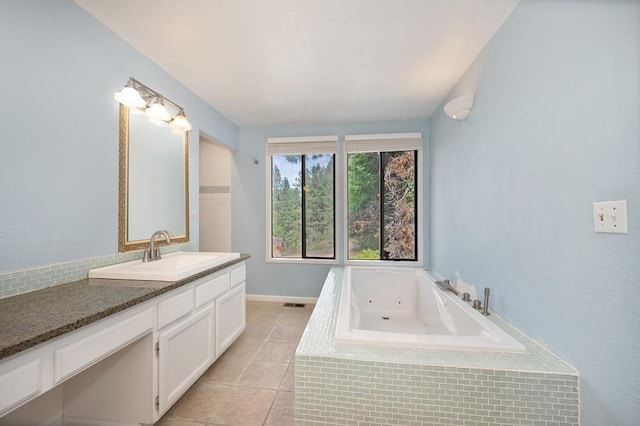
column 153, row 182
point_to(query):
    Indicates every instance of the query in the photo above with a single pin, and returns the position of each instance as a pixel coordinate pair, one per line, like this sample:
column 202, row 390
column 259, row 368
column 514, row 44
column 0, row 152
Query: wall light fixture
column 460, row 107
column 140, row 97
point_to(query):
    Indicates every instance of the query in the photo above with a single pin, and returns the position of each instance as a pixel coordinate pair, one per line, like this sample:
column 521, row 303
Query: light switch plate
column 610, row 217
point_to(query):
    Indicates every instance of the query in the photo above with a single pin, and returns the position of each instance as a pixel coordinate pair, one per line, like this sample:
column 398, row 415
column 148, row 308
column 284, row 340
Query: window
column 378, row 184
column 302, row 198
column 382, row 197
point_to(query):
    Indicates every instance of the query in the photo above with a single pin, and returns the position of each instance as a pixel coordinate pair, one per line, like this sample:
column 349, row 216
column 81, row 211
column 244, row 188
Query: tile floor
column 252, row 383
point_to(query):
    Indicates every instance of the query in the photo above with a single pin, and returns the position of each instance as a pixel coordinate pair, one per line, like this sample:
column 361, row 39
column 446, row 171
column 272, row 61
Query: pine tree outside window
column 302, row 198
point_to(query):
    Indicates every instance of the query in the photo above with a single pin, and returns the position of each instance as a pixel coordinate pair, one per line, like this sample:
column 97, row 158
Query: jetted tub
column 403, row 307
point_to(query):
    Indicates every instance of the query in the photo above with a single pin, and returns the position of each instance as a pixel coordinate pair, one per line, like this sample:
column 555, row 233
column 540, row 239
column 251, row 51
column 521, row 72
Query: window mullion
column 303, row 183
column 415, row 207
column 381, row 201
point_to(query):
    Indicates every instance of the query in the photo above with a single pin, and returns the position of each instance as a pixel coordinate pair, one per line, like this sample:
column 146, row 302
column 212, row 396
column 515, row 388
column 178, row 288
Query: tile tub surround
column 32, row 318
column 340, row 384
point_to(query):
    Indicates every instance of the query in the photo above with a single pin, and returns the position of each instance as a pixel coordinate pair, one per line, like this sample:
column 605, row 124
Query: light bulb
column 130, row 97
column 180, row 123
column 158, row 111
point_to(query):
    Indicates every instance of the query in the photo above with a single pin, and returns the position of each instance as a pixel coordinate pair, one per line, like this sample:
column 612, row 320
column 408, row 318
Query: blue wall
column 555, row 127
column 248, row 204
column 59, row 162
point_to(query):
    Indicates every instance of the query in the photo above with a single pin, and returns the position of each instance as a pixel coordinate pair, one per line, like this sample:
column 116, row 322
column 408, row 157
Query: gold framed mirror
column 153, row 182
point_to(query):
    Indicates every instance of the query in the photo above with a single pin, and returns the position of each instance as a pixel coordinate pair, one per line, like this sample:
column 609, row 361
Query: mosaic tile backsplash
column 339, row 384
column 17, row 282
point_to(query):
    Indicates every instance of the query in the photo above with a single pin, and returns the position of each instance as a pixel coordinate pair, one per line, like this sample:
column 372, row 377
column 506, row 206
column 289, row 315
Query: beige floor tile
column 281, row 413
column 258, row 331
column 196, row 404
column 295, row 314
column 276, row 352
column 245, row 347
column 226, row 370
column 223, row 404
column 264, row 375
column 174, row 422
column 288, row 381
column 287, row 333
column 264, row 318
column 264, row 306
column 242, row 406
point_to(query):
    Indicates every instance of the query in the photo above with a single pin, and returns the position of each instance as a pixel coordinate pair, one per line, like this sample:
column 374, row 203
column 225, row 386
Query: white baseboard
column 88, row 422
column 280, row 299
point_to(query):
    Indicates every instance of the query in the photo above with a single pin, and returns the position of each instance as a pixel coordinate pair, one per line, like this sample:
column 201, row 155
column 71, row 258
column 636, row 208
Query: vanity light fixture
column 460, row 107
column 141, row 98
column 157, row 111
column 180, row 122
column 130, row 97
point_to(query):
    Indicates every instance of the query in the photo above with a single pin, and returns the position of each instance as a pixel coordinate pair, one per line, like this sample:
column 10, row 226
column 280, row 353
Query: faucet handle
column 146, row 257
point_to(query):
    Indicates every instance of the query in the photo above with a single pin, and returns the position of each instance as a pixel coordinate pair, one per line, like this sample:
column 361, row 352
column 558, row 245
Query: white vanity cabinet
column 195, row 326
column 231, row 311
column 132, row 366
column 185, row 351
column 186, row 338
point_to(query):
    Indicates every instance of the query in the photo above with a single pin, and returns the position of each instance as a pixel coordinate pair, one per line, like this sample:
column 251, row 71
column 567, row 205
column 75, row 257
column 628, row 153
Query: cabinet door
column 230, row 318
column 19, row 384
column 185, row 351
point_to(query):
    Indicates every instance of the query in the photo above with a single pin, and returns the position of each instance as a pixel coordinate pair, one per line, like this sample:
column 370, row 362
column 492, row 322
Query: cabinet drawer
column 174, row 308
column 87, row 351
column 211, row 289
column 19, row 384
column 238, row 275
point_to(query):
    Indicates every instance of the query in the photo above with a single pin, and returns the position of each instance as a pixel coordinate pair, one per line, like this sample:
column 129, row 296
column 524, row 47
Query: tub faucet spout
column 446, row 286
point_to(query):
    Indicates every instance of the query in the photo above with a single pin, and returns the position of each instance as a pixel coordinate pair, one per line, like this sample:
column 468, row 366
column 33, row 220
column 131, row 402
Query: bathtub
column 398, row 306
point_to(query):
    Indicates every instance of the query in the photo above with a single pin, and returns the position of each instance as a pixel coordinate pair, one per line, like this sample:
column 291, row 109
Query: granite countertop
column 29, row 319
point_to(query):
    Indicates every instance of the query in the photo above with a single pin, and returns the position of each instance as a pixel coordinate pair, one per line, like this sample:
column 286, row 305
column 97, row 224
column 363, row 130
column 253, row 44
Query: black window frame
column 303, row 232
column 381, row 199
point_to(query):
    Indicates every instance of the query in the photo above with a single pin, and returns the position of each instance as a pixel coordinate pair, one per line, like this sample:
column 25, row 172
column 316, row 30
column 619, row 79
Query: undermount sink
column 171, row 267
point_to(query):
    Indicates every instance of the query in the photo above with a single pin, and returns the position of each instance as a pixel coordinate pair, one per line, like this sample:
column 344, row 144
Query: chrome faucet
column 153, row 252
column 446, row 285
column 485, row 307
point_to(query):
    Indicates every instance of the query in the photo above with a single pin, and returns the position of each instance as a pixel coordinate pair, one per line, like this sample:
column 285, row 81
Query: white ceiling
column 266, row 62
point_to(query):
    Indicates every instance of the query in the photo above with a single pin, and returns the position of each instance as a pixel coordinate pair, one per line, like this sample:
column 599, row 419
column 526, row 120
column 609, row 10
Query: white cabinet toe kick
column 132, row 366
